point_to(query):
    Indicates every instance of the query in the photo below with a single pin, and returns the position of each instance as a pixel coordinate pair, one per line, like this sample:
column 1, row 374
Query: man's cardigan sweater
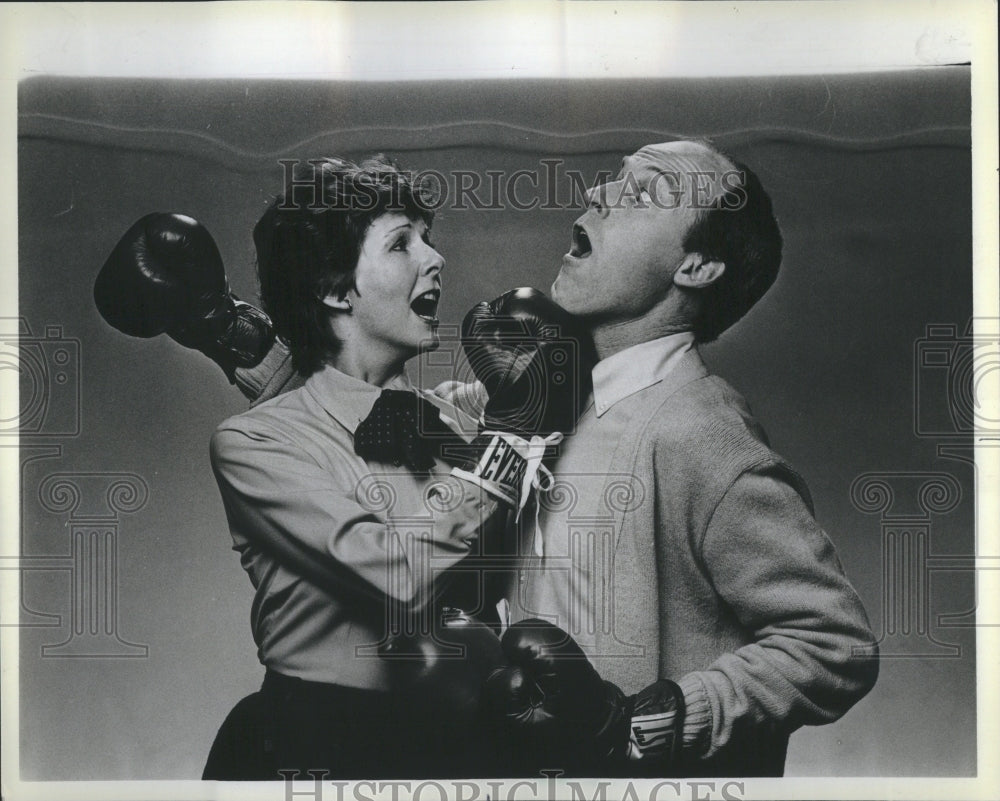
column 724, row 577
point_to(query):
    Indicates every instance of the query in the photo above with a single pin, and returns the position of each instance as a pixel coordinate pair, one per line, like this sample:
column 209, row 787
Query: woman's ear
column 338, row 302
column 696, row 272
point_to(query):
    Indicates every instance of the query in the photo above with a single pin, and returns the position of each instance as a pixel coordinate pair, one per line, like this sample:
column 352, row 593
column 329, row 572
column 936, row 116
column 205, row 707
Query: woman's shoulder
column 287, row 416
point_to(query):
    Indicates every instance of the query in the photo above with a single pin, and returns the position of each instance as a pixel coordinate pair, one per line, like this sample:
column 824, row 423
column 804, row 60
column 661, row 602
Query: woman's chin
column 431, row 342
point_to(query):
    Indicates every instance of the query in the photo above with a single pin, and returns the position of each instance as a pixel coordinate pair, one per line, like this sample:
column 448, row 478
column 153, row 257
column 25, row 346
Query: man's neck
column 612, row 337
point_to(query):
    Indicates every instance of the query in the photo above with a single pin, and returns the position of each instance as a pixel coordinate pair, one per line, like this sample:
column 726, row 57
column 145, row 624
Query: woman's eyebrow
column 391, row 231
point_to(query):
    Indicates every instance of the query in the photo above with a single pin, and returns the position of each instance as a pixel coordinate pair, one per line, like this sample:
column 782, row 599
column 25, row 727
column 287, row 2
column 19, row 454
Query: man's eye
column 641, row 197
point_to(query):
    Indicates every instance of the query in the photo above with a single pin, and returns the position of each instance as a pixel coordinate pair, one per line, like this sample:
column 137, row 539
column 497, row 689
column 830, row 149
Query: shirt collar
column 638, row 367
column 347, row 399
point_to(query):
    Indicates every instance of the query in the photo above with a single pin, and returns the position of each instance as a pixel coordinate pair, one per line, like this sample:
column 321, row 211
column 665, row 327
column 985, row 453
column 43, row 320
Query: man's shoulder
column 707, row 407
column 705, row 435
column 705, row 425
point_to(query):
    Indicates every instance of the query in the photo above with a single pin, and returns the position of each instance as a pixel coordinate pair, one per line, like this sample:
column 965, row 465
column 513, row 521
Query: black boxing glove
column 165, row 275
column 551, row 697
column 448, row 663
column 535, row 360
column 439, row 674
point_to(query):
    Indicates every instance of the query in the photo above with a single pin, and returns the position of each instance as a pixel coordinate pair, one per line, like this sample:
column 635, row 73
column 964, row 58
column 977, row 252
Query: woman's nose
column 434, row 261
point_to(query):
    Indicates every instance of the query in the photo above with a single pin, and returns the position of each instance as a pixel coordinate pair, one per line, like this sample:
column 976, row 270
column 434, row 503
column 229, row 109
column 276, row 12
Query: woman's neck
column 373, row 368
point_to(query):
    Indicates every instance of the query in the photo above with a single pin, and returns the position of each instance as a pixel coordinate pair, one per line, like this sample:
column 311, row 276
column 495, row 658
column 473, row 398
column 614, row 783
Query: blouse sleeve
column 281, row 500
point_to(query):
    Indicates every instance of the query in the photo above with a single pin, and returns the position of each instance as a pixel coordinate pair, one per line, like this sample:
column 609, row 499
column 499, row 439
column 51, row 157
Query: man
column 712, row 609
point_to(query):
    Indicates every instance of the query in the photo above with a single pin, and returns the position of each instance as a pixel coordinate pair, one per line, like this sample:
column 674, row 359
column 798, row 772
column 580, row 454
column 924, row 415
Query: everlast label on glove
column 501, row 464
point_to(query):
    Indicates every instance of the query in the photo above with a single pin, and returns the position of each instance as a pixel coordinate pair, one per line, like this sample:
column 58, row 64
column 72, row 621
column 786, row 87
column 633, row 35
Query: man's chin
column 563, row 295
column 554, row 292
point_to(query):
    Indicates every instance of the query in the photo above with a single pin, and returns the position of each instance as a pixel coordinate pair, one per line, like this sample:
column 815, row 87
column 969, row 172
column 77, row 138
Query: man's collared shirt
column 636, row 368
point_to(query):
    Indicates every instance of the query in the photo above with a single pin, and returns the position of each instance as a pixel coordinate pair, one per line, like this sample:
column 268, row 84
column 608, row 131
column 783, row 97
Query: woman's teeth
column 425, row 305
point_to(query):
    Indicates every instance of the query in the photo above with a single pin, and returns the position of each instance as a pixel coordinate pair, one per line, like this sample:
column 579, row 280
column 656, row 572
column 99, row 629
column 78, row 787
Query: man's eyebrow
column 669, row 172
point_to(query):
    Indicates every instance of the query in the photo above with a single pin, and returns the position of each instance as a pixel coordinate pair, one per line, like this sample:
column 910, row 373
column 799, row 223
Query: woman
column 336, row 496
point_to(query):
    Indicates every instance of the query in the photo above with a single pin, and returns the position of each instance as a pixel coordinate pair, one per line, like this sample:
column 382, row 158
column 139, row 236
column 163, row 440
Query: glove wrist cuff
column 234, row 335
column 250, row 335
column 656, row 724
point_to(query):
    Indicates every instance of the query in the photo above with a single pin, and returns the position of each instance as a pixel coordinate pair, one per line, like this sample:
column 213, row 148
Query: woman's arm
column 278, row 498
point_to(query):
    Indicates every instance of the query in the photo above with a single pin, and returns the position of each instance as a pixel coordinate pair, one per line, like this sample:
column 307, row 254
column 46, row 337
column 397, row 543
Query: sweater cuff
column 697, row 715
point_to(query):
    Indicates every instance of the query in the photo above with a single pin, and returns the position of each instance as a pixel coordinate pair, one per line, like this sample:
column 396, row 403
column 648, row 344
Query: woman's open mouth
column 425, row 305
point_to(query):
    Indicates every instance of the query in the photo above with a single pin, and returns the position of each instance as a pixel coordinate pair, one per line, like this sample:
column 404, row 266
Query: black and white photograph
column 500, row 400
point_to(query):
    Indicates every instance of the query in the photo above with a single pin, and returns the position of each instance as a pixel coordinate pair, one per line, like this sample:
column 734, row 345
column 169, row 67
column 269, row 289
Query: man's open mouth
column 425, row 306
column 580, row 247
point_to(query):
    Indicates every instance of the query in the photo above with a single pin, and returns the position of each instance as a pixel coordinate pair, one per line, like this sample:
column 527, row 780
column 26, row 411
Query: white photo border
column 296, row 41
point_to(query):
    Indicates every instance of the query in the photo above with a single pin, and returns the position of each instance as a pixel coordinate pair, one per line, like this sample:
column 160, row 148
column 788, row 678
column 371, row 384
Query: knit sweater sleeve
column 810, row 653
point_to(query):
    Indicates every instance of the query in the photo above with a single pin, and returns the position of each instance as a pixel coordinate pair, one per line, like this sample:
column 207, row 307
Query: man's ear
column 338, row 302
column 696, row 272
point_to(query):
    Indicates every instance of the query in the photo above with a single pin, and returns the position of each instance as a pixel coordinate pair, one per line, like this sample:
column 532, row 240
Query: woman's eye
column 399, row 244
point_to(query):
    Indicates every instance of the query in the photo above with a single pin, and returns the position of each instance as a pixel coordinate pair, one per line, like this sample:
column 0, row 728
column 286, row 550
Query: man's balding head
column 734, row 225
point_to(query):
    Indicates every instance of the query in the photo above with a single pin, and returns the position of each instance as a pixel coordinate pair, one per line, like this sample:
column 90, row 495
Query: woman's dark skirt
column 292, row 725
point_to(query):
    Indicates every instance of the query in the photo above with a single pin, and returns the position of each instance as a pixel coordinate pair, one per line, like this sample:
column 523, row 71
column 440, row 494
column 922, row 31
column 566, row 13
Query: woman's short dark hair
column 309, row 239
column 742, row 232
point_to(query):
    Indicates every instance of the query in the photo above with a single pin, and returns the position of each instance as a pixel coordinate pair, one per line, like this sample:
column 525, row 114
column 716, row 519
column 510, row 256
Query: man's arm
column 812, row 654
column 272, row 376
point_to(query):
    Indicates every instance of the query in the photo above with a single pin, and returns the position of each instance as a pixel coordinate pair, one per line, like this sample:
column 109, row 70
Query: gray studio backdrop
column 135, row 637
